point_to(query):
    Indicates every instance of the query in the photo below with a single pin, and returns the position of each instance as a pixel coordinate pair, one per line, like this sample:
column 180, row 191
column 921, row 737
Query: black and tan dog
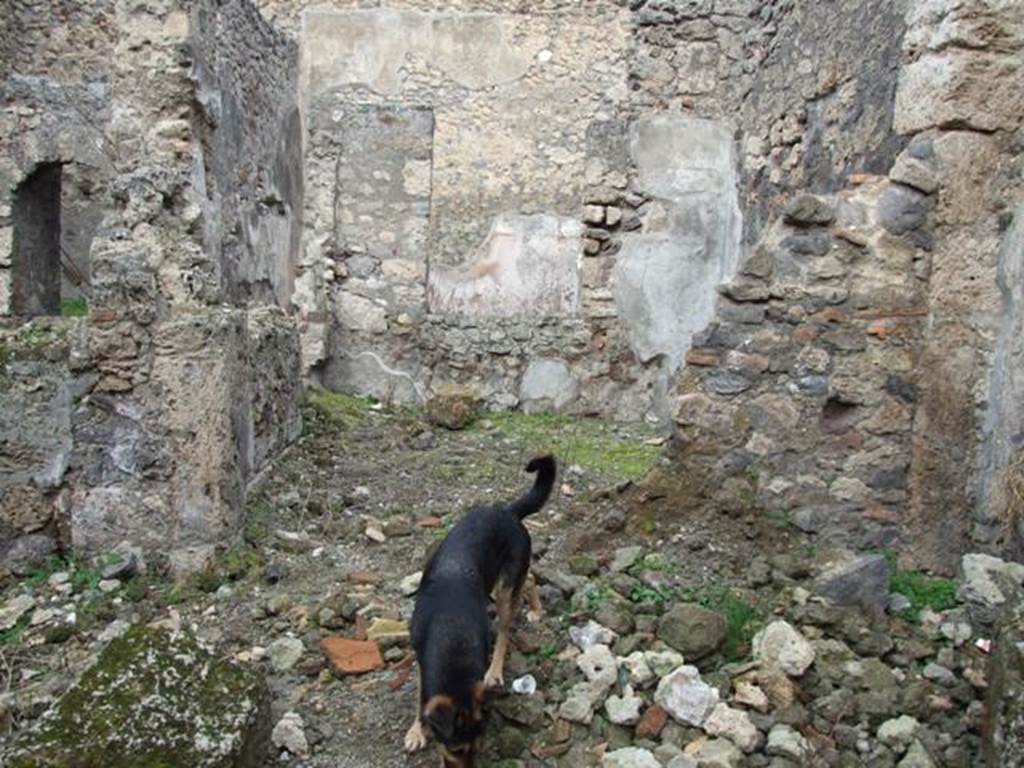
column 486, row 554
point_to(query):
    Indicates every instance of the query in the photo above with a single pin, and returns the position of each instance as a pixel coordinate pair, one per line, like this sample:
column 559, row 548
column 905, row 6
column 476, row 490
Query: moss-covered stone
column 153, row 700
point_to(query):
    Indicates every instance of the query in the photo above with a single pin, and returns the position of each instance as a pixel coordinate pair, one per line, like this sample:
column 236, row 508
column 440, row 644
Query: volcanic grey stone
column 902, row 209
column 692, row 630
column 805, row 210
column 857, row 582
column 27, row 554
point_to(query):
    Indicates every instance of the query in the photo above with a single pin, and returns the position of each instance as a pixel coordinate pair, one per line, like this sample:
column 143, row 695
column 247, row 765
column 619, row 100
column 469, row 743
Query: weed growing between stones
column 923, row 591
column 743, row 617
column 74, row 307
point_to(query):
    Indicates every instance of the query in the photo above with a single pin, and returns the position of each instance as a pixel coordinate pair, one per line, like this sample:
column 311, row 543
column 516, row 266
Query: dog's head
column 456, row 726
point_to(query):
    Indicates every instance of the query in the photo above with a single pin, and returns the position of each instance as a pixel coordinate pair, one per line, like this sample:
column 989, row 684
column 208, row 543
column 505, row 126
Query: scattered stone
column 987, row 580
column 109, row 585
column 397, row 526
column 898, row 603
column 591, row 634
column 652, row 722
column 290, row 734
column 781, row 645
column 375, row 534
column 686, row 697
column 630, row 757
column 784, row 741
column 624, row 709
column 117, row 713
column 453, row 407
column 917, row 757
column 718, row 753
column 388, row 631
column 411, row 584
column 898, row 733
column 636, row 664
column 750, row 695
column 580, row 702
column 733, row 725
column 351, row 657
column 662, row 662
column 625, row 558
column 857, row 582
column 938, row 674
column 285, row 653
column 692, row 630
column 14, row 609
column 598, row 665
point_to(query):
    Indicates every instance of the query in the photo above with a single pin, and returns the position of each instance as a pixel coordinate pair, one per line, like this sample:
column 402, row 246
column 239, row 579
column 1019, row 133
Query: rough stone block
column 154, row 699
column 955, row 88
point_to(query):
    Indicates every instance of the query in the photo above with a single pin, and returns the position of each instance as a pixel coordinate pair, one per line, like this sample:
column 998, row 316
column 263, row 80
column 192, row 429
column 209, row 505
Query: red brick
column 352, row 657
column 652, row 723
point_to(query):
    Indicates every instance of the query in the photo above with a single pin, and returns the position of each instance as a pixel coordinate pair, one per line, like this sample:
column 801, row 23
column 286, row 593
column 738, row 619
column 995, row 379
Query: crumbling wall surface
column 249, row 168
column 499, row 197
column 860, row 374
column 63, row 39
column 163, row 402
column 818, row 105
column 798, row 399
column 960, row 91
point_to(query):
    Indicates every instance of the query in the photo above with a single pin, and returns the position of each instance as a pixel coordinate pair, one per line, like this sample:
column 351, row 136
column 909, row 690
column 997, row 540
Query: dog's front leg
column 505, row 599
column 416, row 736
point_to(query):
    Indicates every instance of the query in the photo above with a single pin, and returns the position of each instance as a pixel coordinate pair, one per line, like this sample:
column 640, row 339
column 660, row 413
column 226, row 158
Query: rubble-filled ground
column 670, row 637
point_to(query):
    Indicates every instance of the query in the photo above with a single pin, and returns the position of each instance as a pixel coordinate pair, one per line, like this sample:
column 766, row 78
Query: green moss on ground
column 591, row 443
column 151, row 700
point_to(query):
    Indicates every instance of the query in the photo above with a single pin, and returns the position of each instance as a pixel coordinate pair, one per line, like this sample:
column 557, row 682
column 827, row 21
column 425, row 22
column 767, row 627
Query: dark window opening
column 36, row 271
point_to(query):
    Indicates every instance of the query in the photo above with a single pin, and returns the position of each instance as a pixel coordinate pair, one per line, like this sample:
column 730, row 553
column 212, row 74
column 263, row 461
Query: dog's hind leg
column 416, row 736
column 536, row 610
column 505, row 600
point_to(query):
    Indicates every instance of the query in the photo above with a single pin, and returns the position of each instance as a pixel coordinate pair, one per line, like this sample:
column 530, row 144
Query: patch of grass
column 923, row 592
column 74, row 307
column 742, row 618
column 594, row 599
column 82, row 578
column 660, row 596
column 548, row 651
column 651, row 562
column 339, row 409
column 13, row 635
column 590, row 443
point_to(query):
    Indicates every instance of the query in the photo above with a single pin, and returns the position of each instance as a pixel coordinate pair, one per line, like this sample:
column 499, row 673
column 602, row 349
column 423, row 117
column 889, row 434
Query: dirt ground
column 360, row 466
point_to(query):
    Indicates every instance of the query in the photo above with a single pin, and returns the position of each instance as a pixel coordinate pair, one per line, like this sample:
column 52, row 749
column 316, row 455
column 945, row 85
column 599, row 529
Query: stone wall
column 961, row 87
column 150, row 417
column 487, row 200
column 859, row 376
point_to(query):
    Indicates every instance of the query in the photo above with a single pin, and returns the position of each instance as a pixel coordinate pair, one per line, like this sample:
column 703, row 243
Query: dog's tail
column 534, row 499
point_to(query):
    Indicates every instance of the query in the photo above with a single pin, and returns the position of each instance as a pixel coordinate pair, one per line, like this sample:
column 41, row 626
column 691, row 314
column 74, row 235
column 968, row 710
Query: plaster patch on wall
column 370, row 47
column 666, row 275
column 528, row 265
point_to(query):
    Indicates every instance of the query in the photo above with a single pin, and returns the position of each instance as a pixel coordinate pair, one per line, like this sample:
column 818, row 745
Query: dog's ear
column 439, row 712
